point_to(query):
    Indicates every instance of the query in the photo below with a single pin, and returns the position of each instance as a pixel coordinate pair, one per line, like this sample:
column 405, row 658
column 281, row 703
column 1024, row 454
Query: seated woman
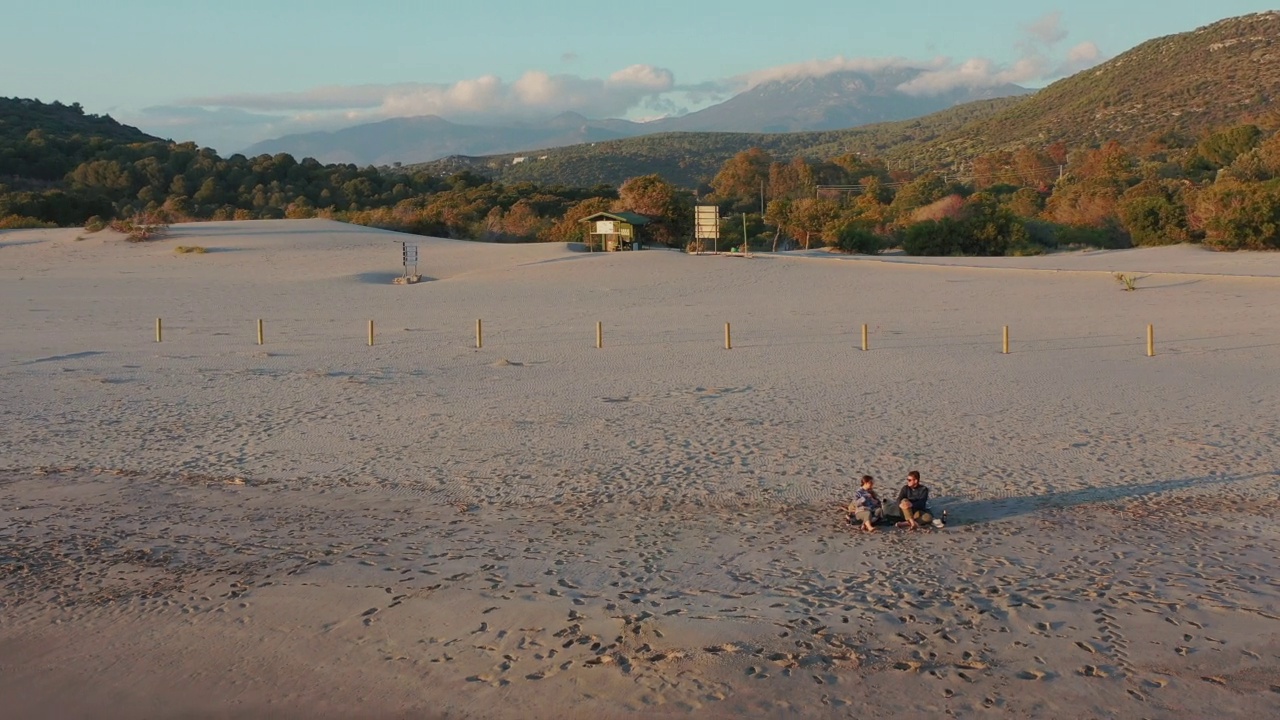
column 866, row 508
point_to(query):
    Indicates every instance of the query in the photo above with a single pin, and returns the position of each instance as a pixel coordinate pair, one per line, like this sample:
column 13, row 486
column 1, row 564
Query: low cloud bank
column 232, row 122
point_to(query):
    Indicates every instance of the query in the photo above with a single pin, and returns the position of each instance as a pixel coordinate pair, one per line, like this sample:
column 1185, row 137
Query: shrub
column 1025, row 248
column 947, row 207
column 1105, row 238
column 94, row 224
column 142, row 226
column 1242, row 216
column 932, row 237
column 184, row 249
column 22, row 222
column 1153, row 220
column 1042, row 234
column 854, row 239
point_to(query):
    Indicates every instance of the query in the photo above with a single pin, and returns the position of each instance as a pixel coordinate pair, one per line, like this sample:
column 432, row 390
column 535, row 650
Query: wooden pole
column 370, row 333
column 865, row 347
column 599, row 335
column 728, row 338
column 1151, row 341
column 479, row 334
column 1006, row 339
column 159, row 331
column 259, row 331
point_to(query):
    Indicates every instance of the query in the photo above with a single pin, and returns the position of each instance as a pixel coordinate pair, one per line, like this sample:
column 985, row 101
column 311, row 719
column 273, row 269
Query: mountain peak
column 832, row 101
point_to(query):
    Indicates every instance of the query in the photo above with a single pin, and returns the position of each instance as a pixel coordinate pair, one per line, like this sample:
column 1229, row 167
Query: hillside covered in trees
column 1210, row 173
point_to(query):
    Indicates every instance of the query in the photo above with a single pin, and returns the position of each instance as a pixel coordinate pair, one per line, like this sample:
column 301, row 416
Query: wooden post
column 864, row 338
column 1151, row 341
column 370, row 333
column 159, row 331
column 728, row 339
column 599, row 335
column 1006, row 339
column 479, row 334
column 259, row 331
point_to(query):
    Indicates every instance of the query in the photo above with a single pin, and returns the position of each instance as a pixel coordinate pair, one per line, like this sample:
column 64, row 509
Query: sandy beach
column 205, row 527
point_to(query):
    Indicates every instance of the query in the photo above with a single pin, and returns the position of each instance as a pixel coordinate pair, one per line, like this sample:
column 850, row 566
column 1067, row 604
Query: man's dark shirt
column 919, row 496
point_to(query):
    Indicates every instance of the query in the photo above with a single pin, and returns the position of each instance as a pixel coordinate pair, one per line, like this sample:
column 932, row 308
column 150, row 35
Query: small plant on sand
column 184, row 249
column 94, row 224
column 142, row 226
column 1130, row 282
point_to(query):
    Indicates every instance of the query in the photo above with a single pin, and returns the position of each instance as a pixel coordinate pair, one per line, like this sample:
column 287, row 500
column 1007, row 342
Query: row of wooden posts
column 728, row 336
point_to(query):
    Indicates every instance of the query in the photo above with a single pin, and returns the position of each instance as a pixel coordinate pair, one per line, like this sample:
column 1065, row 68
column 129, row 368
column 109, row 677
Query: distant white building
column 518, row 160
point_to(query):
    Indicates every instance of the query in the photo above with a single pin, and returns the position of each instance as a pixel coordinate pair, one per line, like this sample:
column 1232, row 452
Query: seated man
column 866, row 508
column 913, row 501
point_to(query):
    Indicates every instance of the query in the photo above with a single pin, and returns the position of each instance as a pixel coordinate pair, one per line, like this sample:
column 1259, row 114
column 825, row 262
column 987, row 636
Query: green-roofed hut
column 614, row 230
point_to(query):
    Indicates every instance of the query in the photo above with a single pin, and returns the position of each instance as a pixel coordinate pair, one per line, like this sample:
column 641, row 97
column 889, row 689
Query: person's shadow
column 965, row 510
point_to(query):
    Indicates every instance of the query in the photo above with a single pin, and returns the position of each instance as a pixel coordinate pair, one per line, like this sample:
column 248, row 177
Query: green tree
column 924, row 190
column 1220, row 149
column 1241, row 216
column 670, row 211
column 1153, row 220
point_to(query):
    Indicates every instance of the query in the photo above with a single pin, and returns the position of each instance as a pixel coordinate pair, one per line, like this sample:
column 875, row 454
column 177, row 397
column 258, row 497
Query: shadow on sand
column 209, row 230
column 384, row 278
column 60, row 358
column 963, row 510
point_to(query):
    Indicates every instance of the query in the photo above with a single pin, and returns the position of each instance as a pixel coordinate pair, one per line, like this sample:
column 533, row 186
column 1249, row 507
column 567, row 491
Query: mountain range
column 837, row 100
column 1165, row 92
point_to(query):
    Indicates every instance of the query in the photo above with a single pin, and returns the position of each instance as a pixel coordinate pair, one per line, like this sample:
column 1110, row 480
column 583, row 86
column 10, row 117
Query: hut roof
column 626, row 217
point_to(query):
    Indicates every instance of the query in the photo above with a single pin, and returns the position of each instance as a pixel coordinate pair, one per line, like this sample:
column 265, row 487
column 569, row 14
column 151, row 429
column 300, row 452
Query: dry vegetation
column 142, row 226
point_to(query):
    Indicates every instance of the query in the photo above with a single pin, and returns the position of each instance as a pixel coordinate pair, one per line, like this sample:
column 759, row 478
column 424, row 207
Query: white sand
column 319, row 528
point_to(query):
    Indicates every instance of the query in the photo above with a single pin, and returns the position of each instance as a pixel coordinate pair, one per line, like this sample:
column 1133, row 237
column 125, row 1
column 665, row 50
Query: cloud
column 1047, row 30
column 713, row 91
column 975, row 74
column 820, row 68
column 1038, row 62
column 330, row 97
column 487, row 99
column 179, row 116
column 224, row 129
column 234, row 121
column 535, row 93
column 1080, row 57
column 659, row 106
column 1035, row 64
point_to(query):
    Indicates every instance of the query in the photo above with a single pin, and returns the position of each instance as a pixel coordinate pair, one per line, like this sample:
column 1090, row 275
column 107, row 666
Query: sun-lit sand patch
column 540, row 527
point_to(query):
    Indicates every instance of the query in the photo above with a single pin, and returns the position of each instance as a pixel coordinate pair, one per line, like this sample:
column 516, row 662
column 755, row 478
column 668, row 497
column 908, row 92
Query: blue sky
column 228, row 73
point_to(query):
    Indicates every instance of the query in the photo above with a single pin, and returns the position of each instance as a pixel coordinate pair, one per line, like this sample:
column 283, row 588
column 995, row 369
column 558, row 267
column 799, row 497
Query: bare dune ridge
column 419, row 528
